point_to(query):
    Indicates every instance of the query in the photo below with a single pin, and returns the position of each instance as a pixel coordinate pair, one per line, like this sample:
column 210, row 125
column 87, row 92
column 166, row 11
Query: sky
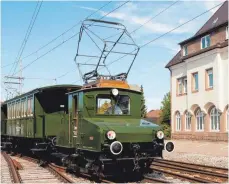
column 55, row 18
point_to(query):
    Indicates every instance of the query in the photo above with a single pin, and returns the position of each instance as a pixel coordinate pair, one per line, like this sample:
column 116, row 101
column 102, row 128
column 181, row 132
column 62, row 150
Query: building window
column 227, row 33
column 195, row 82
column 178, row 121
column 199, row 120
column 185, row 50
column 185, row 85
column 187, row 121
column 215, row 119
column 179, row 86
column 227, row 118
column 209, row 81
column 182, row 85
column 205, row 41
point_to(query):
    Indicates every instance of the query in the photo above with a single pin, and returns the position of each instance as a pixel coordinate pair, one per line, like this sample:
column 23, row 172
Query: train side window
column 12, row 111
column 17, row 109
column 30, row 106
column 104, row 105
column 25, row 108
column 8, row 111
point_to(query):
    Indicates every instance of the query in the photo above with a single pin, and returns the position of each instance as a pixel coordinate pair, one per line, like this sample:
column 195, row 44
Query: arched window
column 215, row 119
column 178, row 121
column 187, row 121
column 227, row 118
column 199, row 120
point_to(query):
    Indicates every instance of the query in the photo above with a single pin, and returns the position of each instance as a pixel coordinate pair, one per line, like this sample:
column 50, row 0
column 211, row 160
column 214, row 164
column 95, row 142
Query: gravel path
column 198, row 159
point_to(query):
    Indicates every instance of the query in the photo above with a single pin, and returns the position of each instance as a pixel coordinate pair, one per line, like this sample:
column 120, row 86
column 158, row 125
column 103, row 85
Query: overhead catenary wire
column 30, row 63
column 164, row 34
column 54, row 39
column 28, row 33
column 165, row 9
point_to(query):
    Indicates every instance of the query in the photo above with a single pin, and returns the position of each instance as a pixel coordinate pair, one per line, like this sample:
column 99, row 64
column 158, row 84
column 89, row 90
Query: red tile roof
column 153, row 114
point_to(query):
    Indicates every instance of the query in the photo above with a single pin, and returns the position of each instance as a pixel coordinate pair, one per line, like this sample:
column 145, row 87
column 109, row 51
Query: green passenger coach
column 34, row 115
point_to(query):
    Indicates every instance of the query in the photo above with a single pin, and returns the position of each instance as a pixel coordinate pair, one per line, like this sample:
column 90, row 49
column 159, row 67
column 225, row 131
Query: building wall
column 203, row 99
column 217, row 36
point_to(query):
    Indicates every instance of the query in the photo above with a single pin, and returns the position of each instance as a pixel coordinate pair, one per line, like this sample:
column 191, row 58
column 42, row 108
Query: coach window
column 12, row 110
column 8, row 111
column 25, row 107
column 30, row 106
column 17, row 109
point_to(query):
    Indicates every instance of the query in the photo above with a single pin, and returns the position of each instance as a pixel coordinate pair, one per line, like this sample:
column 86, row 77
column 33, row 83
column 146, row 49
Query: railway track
column 191, row 172
column 59, row 172
column 9, row 173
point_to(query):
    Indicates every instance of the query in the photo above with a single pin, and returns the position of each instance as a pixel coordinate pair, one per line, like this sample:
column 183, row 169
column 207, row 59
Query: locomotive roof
column 96, row 88
column 108, row 84
column 37, row 90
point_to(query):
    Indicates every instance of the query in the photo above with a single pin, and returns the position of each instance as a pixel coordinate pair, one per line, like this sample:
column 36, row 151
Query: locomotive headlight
column 160, row 135
column 111, row 135
column 114, row 92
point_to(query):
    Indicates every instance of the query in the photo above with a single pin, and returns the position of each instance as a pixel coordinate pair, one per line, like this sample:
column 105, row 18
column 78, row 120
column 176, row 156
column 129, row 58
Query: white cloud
column 133, row 17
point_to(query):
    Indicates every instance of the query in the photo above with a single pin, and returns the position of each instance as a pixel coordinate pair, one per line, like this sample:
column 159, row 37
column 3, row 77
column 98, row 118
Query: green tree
column 143, row 105
column 165, row 116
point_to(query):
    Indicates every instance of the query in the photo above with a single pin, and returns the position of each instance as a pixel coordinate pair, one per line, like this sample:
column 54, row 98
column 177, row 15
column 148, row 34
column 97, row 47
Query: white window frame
column 227, row 33
column 180, row 87
column 194, row 81
column 188, row 120
column 227, row 118
column 208, row 79
column 204, row 37
column 185, row 85
column 212, row 117
column 185, row 50
column 178, row 121
column 199, row 116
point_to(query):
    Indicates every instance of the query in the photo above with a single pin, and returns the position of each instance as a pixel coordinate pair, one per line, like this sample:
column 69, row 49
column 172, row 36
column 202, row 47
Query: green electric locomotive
column 105, row 133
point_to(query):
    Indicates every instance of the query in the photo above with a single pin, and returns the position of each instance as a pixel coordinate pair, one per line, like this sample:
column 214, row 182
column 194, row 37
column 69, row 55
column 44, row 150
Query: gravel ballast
column 217, row 161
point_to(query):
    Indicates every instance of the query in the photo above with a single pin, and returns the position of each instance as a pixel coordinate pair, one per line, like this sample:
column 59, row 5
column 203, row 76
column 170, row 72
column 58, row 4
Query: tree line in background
column 165, row 115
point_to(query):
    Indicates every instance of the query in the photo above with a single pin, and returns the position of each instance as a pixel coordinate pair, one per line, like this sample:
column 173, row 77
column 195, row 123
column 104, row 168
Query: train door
column 75, row 122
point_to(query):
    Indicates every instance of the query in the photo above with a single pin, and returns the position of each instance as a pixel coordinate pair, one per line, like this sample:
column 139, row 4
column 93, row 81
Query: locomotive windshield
column 120, row 106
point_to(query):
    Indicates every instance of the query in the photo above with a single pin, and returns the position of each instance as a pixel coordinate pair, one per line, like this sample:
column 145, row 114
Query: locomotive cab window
column 122, row 105
column 103, row 105
column 119, row 106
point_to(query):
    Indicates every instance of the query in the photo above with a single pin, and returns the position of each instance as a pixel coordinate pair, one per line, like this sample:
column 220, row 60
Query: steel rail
column 184, row 168
column 186, row 163
column 194, row 178
column 150, row 179
column 14, row 173
column 55, row 170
